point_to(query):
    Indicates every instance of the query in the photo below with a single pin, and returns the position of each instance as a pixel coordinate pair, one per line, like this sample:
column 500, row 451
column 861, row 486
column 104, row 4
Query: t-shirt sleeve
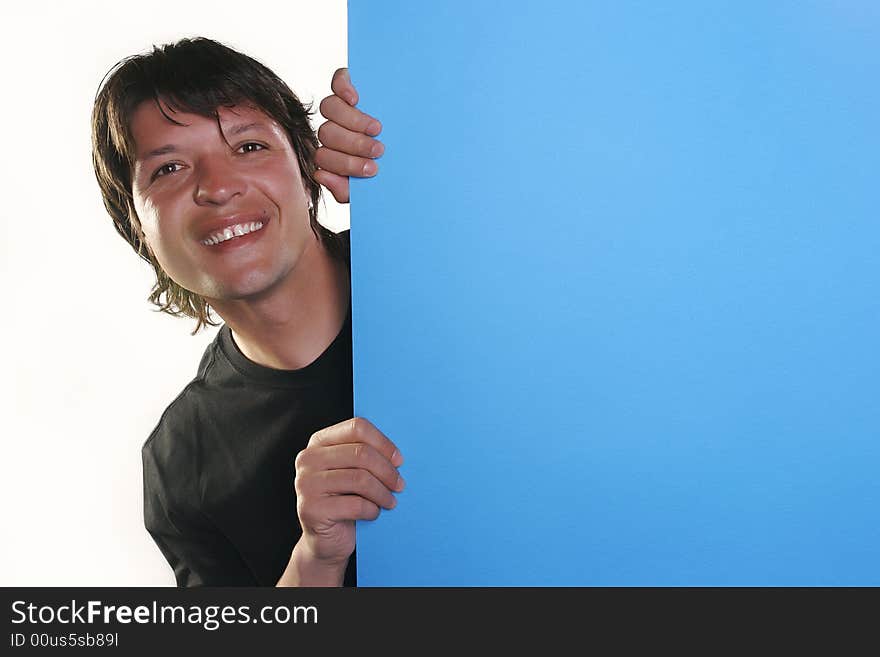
column 196, row 550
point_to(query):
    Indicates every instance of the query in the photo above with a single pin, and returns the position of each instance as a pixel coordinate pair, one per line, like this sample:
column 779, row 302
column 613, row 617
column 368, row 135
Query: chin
column 250, row 287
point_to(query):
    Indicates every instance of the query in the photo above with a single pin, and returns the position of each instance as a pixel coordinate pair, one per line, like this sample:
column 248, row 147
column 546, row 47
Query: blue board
column 616, row 291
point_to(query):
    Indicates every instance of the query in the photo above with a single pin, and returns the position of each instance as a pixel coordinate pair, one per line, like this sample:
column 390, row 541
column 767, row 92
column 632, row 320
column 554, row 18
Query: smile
column 231, row 232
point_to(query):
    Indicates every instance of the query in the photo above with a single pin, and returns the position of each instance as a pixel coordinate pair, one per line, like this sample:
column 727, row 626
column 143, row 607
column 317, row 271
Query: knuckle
column 357, row 426
column 359, row 453
column 369, row 510
column 356, row 508
column 364, row 121
column 315, row 438
column 355, row 168
column 300, row 485
column 365, row 145
column 356, row 479
column 323, row 157
column 305, row 512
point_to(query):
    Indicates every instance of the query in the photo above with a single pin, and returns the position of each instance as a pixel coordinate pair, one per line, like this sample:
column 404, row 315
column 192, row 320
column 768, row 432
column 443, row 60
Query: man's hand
column 348, row 147
column 347, row 472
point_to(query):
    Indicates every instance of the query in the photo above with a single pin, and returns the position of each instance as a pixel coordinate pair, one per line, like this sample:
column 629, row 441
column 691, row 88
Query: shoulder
column 169, row 456
column 176, row 421
column 173, row 445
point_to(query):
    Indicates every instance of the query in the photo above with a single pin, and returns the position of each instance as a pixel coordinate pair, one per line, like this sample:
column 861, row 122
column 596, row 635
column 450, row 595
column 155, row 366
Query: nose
column 217, row 181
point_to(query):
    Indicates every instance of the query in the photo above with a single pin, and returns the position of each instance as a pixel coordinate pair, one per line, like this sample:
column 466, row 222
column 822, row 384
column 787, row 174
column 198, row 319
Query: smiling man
column 256, row 472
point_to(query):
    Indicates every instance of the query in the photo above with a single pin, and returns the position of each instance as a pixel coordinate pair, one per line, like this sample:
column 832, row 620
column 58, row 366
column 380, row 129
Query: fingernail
column 397, row 458
column 377, row 149
column 374, row 128
column 370, row 168
column 400, row 483
column 351, row 98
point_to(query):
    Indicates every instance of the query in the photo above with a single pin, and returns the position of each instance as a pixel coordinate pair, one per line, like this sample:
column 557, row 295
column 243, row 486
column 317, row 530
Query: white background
column 88, row 367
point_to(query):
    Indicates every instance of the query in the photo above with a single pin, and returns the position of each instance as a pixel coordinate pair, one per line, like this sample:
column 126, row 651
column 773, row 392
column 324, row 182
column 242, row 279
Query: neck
column 293, row 323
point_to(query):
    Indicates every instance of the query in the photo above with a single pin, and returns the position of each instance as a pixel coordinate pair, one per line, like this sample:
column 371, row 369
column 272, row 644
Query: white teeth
column 232, row 231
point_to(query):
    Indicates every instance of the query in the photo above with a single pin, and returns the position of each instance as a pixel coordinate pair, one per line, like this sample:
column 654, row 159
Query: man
column 207, row 163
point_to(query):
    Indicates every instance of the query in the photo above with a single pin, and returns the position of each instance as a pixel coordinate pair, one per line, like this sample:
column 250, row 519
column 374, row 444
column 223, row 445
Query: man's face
column 225, row 218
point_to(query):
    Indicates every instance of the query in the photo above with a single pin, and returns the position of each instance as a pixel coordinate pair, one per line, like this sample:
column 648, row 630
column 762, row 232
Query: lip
column 206, row 228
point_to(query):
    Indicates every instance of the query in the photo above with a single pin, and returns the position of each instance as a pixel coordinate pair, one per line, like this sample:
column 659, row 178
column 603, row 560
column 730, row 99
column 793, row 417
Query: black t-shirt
column 219, row 468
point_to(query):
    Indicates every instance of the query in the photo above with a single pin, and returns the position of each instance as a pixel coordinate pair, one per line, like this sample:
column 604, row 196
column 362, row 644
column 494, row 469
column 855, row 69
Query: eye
column 251, row 147
column 166, row 169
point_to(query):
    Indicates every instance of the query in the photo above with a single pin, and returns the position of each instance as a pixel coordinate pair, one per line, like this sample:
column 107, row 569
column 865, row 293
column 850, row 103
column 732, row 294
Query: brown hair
column 196, row 76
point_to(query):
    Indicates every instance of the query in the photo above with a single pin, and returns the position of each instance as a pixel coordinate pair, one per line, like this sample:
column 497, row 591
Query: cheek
column 148, row 216
column 284, row 183
column 155, row 224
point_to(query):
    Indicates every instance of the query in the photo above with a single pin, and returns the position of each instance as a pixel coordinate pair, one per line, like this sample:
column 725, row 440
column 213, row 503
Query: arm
column 346, row 473
column 305, row 569
column 347, row 137
column 198, row 553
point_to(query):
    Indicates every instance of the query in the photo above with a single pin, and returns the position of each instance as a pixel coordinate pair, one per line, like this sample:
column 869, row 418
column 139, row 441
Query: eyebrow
column 162, row 150
column 244, row 127
column 233, row 131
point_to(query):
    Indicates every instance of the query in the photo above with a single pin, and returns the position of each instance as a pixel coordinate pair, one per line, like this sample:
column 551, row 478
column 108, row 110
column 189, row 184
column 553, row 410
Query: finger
column 343, row 164
column 333, row 108
column 336, row 508
column 354, row 482
column 338, row 185
column 336, row 138
column 357, row 430
column 352, row 456
column 341, row 86
column 350, row 507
